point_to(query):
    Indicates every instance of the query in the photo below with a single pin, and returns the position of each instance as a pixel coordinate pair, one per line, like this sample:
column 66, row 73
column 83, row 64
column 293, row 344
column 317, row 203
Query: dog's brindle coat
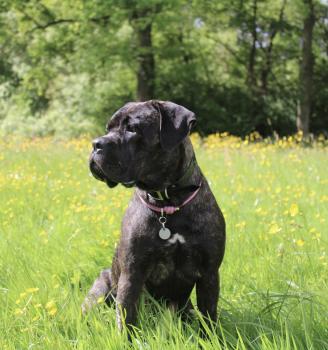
column 147, row 145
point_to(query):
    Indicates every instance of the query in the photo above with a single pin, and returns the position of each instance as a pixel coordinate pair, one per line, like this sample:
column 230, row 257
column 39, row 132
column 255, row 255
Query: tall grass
column 59, row 227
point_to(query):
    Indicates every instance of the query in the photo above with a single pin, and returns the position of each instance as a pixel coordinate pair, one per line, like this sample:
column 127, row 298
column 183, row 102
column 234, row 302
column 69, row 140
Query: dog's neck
column 187, row 179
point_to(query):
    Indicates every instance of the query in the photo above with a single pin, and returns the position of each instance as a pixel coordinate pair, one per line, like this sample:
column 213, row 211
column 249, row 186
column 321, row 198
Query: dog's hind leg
column 101, row 288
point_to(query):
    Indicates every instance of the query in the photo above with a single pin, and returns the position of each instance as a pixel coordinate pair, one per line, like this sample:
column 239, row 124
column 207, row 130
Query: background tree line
column 241, row 65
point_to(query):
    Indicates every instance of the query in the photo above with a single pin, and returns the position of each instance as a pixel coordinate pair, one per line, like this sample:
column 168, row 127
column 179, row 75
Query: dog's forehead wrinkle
column 130, row 105
column 118, row 121
column 134, row 113
column 114, row 121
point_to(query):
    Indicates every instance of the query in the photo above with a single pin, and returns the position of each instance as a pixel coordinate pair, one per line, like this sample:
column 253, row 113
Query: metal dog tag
column 164, row 233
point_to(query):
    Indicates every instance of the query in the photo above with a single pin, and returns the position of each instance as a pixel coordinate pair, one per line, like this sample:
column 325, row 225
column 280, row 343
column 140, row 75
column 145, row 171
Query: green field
column 59, row 227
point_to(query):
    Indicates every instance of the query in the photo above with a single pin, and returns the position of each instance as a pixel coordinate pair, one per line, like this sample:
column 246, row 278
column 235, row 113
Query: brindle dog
column 147, row 146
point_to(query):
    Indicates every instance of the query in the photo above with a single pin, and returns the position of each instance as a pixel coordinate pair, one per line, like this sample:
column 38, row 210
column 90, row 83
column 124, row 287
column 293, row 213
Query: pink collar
column 170, row 209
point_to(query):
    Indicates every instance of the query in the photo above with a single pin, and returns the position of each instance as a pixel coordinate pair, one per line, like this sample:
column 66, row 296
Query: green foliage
column 234, row 63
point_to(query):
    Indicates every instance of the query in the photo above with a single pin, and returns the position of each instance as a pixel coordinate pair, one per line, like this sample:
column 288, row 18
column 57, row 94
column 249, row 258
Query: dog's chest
column 176, row 258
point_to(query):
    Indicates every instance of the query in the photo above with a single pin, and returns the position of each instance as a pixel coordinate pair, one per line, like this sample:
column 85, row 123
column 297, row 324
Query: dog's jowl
column 173, row 232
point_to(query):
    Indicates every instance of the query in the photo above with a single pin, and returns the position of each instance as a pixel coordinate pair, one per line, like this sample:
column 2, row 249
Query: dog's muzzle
column 96, row 171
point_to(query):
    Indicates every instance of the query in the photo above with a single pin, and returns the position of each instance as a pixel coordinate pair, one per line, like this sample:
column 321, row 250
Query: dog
column 173, row 231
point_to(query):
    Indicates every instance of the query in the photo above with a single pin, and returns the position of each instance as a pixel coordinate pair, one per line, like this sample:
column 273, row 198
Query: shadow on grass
column 259, row 320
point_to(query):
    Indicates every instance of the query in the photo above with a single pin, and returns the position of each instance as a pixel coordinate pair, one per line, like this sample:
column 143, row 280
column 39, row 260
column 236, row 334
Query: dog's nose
column 99, row 143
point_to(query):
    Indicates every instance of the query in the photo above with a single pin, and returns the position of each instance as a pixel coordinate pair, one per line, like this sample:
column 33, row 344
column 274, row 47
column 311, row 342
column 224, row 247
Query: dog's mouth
column 97, row 172
column 100, row 175
column 129, row 184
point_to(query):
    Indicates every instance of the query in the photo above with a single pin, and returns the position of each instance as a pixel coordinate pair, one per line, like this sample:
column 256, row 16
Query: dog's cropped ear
column 175, row 123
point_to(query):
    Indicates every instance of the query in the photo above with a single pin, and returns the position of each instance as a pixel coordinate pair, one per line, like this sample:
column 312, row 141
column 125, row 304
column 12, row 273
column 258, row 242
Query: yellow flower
column 100, row 300
column 32, row 290
column 104, row 243
column 50, row 304
column 274, row 229
column 18, row 312
column 293, row 210
column 300, row 242
column 241, row 224
column 43, row 233
column 52, row 311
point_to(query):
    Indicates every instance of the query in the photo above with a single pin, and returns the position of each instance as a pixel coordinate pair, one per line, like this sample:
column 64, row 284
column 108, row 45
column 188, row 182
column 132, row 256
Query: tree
column 141, row 21
column 67, row 66
column 306, row 70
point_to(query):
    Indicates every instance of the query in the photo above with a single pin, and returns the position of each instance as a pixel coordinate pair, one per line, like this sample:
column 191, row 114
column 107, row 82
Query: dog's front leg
column 207, row 290
column 128, row 292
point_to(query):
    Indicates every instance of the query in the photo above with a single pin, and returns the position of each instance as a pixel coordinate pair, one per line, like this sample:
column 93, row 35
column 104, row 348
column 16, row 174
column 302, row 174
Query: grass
column 59, row 227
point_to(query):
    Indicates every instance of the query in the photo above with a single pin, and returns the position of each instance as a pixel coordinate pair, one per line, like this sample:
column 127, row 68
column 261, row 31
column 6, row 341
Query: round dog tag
column 164, row 233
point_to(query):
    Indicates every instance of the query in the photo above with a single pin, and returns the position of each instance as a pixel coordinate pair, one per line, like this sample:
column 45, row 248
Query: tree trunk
column 267, row 67
column 251, row 79
column 146, row 63
column 306, row 71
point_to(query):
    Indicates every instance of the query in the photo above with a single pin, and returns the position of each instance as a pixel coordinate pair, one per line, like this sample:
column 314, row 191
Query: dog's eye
column 132, row 128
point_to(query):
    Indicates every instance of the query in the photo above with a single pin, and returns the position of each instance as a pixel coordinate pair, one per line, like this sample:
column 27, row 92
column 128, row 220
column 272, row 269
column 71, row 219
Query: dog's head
column 141, row 144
